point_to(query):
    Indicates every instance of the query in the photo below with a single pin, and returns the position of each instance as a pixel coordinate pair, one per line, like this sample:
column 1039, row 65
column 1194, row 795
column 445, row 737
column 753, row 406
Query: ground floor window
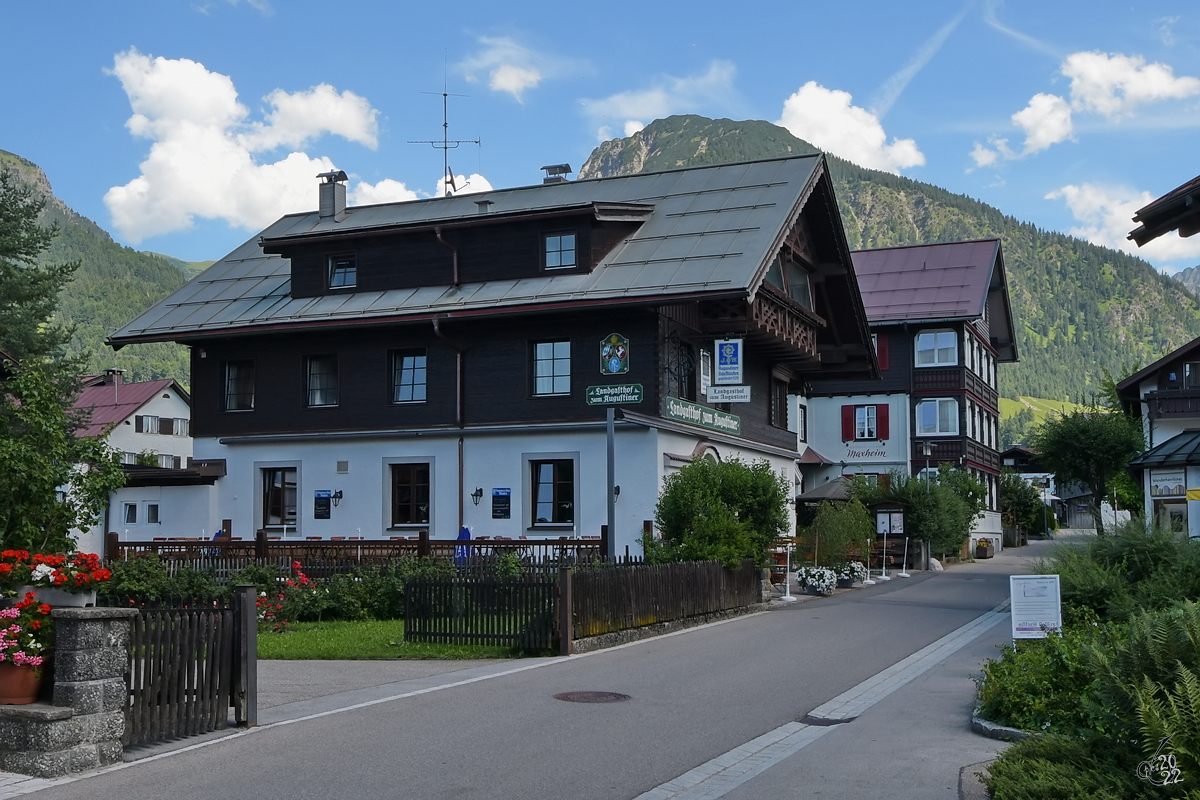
column 130, row 516
column 410, row 494
column 553, row 483
column 279, row 497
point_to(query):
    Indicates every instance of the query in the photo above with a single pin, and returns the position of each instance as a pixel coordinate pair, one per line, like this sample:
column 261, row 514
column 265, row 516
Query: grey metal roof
column 712, row 231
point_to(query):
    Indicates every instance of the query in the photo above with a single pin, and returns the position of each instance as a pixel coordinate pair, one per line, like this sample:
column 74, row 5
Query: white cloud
column 983, row 156
column 669, row 95
column 1106, row 214
column 632, row 126
column 895, row 85
column 463, row 184
column 385, row 191
column 512, row 67
column 1046, row 121
column 1166, row 29
column 202, row 161
column 828, row 119
column 1115, row 85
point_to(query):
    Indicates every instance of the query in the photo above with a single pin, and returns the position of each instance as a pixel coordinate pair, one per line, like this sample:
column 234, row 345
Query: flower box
column 59, row 598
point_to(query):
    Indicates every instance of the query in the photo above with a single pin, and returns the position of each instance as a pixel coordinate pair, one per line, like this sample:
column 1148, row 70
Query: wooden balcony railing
column 1174, row 403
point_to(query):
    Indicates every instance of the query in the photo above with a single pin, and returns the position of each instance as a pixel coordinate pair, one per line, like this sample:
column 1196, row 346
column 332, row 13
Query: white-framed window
column 168, row 461
column 130, row 515
column 129, row 458
column 551, row 368
column 343, row 271
column 560, row 250
column 146, row 423
column 408, row 376
column 322, row 380
column 239, row 386
column 181, row 426
column 937, row 417
column 865, row 422
column 280, row 486
column 937, row 349
column 410, row 484
column 152, row 514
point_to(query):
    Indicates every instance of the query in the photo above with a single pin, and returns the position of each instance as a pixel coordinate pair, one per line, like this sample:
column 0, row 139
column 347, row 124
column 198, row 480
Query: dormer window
column 560, row 250
column 343, row 271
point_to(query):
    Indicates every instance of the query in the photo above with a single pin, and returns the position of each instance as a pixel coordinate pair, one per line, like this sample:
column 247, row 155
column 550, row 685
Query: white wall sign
column 1036, row 605
column 728, row 394
column 729, row 361
column 705, row 371
column 1167, row 483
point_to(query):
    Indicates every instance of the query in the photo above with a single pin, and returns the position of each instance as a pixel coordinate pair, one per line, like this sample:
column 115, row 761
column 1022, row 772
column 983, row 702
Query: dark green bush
column 145, row 576
column 1056, row 767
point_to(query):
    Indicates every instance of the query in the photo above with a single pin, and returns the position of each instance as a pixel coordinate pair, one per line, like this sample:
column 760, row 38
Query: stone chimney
column 333, row 195
column 113, row 376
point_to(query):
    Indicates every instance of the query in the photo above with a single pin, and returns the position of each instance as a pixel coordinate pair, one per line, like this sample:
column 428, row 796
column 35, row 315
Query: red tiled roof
column 926, row 282
column 110, row 404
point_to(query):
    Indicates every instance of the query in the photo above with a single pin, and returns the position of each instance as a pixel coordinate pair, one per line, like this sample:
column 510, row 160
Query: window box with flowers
column 58, row 580
column 850, row 573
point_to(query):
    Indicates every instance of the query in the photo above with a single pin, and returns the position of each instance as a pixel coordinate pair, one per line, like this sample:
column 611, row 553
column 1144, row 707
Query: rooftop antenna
column 446, row 144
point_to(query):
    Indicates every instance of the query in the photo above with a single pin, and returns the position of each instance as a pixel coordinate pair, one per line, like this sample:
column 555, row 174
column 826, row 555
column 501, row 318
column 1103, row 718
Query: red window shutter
column 881, row 350
column 137, row 423
column 847, row 423
column 881, row 422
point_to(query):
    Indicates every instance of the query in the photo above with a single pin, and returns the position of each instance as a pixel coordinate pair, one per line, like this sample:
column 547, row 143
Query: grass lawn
column 351, row 641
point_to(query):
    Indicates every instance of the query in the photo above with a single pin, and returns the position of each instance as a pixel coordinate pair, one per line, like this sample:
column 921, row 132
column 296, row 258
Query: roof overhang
column 1181, row 450
column 1178, row 209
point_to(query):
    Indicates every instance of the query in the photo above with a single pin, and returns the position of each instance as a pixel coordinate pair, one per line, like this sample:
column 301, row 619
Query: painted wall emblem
column 614, row 355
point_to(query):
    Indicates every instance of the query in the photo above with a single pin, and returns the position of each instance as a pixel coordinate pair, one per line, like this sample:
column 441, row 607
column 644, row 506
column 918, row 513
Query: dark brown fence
column 620, row 598
column 191, row 661
column 506, row 612
column 321, row 559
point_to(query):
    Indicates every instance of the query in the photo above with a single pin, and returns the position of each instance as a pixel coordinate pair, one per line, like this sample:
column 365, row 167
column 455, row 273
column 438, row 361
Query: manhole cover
column 591, row 697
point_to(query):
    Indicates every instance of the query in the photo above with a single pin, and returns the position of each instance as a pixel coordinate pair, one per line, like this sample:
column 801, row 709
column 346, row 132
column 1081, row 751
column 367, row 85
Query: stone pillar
column 82, row 729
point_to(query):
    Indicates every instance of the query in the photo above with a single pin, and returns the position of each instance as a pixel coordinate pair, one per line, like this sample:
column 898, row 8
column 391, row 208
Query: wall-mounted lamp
column 477, row 495
column 337, row 497
column 616, row 492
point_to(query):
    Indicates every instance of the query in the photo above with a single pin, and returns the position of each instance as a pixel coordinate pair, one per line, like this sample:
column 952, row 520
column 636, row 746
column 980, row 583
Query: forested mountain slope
column 1078, row 308
column 112, row 286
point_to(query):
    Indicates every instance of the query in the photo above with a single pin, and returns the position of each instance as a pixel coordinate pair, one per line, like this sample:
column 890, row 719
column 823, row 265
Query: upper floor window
column 239, row 386
column 322, row 380
column 937, row 417
column 1191, row 375
column 146, row 423
column 802, row 422
column 865, row 423
column 786, row 274
column 551, row 368
column 560, row 250
column 408, row 376
column 777, row 410
column 343, row 271
column 937, row 348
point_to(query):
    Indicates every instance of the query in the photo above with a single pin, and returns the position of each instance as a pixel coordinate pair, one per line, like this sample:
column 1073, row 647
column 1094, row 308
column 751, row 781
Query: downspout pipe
column 458, row 407
column 454, row 274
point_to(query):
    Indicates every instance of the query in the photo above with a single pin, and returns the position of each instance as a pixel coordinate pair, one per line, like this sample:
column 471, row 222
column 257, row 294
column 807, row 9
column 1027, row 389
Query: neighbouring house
column 941, row 322
column 1166, row 394
column 148, row 423
column 1166, row 397
column 427, row 365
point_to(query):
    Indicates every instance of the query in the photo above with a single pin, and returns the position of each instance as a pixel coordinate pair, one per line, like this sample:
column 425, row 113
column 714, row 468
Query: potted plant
column 25, row 642
column 849, row 573
column 817, row 580
column 59, row 579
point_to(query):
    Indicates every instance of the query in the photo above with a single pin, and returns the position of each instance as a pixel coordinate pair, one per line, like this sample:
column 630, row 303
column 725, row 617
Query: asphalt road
column 694, row 696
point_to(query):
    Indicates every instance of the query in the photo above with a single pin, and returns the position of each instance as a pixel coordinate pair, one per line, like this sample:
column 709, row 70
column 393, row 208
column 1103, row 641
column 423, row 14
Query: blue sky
column 185, row 126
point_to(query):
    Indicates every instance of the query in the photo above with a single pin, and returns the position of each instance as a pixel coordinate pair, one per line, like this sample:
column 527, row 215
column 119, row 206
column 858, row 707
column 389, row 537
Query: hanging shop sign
column 728, row 394
column 705, row 371
column 614, row 355
column 618, row 394
column 683, row 411
column 729, row 361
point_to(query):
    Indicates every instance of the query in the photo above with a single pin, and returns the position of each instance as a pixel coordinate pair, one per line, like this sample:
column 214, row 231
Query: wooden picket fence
column 191, row 661
column 506, row 612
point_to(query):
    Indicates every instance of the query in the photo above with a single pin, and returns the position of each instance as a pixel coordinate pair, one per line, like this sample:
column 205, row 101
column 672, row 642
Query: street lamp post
column 927, row 451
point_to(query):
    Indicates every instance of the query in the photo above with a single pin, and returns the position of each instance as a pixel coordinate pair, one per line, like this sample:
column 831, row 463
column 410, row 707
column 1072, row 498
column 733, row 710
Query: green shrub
column 1036, row 684
column 508, row 565
column 727, row 511
column 838, row 530
column 191, row 582
column 145, row 576
column 1056, row 767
